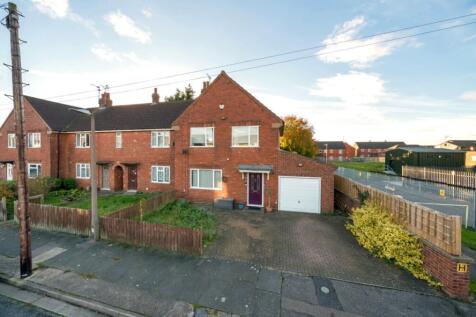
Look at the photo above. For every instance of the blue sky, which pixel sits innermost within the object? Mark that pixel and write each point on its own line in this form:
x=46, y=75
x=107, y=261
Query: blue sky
x=419, y=89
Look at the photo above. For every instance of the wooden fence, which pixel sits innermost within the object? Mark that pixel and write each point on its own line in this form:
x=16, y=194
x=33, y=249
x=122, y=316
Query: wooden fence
x=451, y=177
x=125, y=225
x=3, y=209
x=441, y=230
x=70, y=220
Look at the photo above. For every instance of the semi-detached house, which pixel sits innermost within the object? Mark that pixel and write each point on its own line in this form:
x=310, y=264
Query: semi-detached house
x=223, y=144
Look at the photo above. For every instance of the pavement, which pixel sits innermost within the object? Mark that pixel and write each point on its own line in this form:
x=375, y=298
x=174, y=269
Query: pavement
x=145, y=282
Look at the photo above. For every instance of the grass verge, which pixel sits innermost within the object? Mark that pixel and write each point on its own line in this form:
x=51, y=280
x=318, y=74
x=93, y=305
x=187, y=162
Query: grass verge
x=468, y=237
x=180, y=213
x=376, y=167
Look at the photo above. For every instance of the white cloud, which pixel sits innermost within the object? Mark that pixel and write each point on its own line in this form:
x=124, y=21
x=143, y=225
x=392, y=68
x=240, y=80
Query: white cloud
x=147, y=13
x=353, y=88
x=125, y=26
x=60, y=9
x=53, y=8
x=105, y=53
x=356, y=57
x=469, y=96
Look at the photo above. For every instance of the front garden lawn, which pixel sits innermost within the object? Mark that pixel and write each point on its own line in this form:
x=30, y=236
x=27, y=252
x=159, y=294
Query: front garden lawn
x=180, y=213
x=107, y=203
x=468, y=237
x=377, y=167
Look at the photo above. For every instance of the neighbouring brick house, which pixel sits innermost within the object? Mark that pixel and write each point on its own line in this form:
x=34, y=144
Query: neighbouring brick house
x=223, y=144
x=334, y=150
x=374, y=150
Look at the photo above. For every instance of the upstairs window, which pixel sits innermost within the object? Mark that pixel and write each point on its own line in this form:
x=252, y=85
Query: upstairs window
x=34, y=170
x=83, y=170
x=34, y=140
x=118, y=140
x=202, y=137
x=160, y=174
x=12, y=141
x=245, y=136
x=160, y=138
x=82, y=140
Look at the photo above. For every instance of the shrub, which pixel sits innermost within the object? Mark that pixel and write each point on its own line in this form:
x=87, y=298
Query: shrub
x=8, y=189
x=69, y=183
x=57, y=184
x=39, y=185
x=376, y=231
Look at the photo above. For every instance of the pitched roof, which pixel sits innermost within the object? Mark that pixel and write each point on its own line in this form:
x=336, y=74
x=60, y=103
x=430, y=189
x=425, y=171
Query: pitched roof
x=60, y=117
x=56, y=115
x=463, y=143
x=132, y=117
x=331, y=145
x=378, y=144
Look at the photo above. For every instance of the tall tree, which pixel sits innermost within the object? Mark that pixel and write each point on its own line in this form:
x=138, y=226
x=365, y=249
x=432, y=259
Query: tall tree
x=297, y=136
x=187, y=94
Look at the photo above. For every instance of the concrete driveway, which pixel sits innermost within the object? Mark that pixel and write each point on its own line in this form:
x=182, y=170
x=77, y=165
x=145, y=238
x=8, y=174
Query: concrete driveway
x=309, y=244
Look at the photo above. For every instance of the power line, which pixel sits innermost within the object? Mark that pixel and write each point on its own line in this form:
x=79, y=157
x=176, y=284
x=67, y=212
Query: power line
x=275, y=55
x=290, y=60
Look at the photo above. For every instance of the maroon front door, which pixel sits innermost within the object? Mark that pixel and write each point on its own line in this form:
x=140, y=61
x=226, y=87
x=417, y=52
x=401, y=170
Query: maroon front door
x=132, y=177
x=255, y=189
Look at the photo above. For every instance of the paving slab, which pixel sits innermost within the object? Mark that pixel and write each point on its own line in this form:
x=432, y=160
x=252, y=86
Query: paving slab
x=266, y=304
x=270, y=281
x=299, y=288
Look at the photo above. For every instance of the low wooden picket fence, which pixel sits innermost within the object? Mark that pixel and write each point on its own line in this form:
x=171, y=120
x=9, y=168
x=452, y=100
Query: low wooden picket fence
x=451, y=177
x=125, y=225
x=441, y=230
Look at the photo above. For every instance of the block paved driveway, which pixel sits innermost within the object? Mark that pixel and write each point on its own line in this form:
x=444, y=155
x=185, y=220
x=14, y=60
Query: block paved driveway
x=309, y=244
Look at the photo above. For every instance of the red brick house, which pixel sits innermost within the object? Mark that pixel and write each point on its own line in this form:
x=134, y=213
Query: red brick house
x=223, y=144
x=334, y=150
x=375, y=150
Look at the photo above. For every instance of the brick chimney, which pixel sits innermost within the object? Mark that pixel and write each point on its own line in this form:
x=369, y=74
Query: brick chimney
x=155, y=97
x=105, y=100
x=205, y=85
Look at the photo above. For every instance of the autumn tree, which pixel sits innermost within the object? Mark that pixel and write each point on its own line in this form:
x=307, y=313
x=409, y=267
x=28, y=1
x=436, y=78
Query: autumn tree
x=187, y=94
x=297, y=136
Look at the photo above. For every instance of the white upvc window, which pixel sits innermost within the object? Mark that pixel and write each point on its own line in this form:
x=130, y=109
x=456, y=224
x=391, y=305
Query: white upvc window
x=12, y=141
x=34, y=140
x=160, y=174
x=245, y=136
x=83, y=170
x=206, y=179
x=82, y=140
x=34, y=170
x=160, y=139
x=202, y=137
x=118, y=140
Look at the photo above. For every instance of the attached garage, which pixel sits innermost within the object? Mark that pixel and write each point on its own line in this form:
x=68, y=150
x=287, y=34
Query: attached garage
x=300, y=194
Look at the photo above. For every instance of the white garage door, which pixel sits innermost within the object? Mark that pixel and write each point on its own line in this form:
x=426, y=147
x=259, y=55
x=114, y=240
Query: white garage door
x=302, y=194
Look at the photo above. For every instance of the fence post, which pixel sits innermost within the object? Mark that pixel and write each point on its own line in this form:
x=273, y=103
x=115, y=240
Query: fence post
x=15, y=210
x=3, y=209
x=141, y=208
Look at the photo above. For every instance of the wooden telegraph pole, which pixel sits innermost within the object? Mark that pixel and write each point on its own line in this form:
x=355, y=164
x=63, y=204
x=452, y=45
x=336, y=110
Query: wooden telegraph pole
x=13, y=25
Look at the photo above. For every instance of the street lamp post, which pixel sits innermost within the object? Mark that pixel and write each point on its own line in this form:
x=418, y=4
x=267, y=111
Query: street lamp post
x=94, y=188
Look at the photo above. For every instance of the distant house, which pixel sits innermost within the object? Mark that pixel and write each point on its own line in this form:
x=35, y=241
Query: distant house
x=335, y=150
x=374, y=149
x=463, y=145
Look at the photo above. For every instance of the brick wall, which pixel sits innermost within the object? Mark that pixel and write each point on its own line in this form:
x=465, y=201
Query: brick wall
x=443, y=267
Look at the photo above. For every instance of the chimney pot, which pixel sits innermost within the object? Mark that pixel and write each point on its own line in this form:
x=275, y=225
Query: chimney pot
x=155, y=97
x=205, y=85
x=105, y=100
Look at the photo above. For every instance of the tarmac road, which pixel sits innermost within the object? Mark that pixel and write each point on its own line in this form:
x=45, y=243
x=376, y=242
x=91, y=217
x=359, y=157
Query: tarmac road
x=455, y=201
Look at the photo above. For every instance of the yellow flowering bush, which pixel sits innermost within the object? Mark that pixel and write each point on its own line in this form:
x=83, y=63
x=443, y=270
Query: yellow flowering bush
x=376, y=231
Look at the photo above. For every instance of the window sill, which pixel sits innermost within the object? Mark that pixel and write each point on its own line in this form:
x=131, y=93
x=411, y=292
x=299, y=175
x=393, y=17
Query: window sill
x=200, y=188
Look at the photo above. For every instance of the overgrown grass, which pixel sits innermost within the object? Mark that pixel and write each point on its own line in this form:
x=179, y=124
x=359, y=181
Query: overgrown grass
x=180, y=213
x=468, y=237
x=377, y=167
x=472, y=287
x=81, y=199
